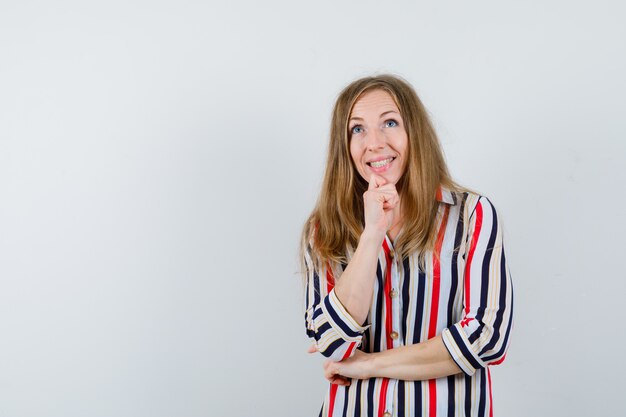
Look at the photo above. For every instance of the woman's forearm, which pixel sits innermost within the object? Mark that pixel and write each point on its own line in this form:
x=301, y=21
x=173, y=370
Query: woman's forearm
x=356, y=286
x=355, y=289
x=416, y=362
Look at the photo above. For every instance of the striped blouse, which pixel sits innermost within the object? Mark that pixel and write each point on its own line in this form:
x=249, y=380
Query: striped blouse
x=464, y=295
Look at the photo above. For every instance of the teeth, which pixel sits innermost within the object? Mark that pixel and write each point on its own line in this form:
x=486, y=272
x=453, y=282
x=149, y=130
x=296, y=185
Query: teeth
x=382, y=163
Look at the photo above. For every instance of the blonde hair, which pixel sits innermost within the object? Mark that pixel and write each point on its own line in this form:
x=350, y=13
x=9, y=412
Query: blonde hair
x=337, y=221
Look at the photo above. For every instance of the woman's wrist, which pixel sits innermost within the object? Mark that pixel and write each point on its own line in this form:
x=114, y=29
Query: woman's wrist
x=372, y=236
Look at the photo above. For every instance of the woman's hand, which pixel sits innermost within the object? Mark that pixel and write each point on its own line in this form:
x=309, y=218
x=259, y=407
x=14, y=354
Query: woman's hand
x=358, y=366
x=380, y=201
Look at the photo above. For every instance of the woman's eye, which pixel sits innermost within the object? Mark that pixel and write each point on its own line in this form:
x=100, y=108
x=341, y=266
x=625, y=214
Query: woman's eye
x=356, y=129
x=391, y=123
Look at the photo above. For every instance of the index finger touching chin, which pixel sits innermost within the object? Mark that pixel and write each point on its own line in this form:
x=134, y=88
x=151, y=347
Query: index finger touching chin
x=375, y=182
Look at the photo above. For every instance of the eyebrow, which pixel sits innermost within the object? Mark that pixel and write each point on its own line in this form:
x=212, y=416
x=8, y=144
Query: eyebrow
x=381, y=116
x=387, y=112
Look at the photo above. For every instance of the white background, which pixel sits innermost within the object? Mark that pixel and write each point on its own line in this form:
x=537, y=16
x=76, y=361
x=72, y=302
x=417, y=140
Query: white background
x=158, y=158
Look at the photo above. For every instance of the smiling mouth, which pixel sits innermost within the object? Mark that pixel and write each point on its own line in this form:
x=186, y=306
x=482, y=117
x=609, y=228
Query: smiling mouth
x=380, y=164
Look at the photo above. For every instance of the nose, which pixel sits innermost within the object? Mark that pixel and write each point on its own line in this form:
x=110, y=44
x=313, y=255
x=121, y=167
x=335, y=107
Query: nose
x=375, y=140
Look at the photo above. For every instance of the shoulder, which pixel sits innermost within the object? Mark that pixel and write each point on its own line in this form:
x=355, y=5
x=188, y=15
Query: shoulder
x=472, y=203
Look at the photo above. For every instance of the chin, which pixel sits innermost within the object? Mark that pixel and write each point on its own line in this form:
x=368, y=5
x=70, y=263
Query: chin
x=390, y=178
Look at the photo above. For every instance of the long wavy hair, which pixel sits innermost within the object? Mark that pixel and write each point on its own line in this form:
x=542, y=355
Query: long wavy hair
x=337, y=220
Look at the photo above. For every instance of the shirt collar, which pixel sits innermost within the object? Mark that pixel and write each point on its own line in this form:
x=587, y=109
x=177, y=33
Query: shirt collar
x=445, y=196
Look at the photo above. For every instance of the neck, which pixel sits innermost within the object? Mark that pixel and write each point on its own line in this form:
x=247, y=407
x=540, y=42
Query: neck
x=396, y=226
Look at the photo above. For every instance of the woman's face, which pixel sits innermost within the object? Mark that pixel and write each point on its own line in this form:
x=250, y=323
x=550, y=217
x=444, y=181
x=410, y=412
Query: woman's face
x=378, y=139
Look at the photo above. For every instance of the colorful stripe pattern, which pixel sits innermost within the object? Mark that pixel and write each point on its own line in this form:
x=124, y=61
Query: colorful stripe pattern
x=463, y=294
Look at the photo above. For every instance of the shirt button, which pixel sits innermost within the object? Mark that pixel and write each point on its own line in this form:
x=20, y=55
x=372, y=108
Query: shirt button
x=393, y=293
x=387, y=414
x=394, y=335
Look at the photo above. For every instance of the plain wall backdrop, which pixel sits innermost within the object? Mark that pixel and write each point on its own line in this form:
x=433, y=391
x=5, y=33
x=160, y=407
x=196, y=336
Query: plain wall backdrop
x=158, y=159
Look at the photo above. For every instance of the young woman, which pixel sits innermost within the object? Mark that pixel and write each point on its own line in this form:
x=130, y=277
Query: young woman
x=408, y=293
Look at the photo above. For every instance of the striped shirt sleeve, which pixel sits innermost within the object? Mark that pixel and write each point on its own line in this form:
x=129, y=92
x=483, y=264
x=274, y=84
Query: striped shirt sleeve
x=481, y=337
x=336, y=333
